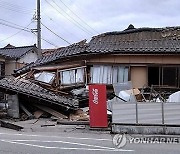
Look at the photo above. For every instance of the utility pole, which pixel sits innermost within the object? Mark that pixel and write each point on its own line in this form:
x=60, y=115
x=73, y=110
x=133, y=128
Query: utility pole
x=39, y=27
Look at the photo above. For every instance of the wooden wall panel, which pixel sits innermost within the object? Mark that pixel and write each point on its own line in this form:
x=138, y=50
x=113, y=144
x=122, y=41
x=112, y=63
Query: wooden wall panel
x=138, y=76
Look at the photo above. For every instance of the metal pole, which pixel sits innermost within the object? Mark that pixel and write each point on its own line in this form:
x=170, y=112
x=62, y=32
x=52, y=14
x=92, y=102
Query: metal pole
x=136, y=112
x=38, y=28
x=162, y=107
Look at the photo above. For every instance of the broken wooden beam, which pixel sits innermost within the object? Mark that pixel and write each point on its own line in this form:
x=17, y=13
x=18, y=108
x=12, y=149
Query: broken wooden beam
x=47, y=125
x=10, y=125
x=38, y=114
x=51, y=111
x=30, y=116
x=73, y=122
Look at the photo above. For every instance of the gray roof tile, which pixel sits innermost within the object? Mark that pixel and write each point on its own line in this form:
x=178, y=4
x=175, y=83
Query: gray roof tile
x=29, y=88
x=16, y=52
x=139, y=41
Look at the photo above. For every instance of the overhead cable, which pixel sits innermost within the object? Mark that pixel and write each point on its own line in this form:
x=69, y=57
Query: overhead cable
x=24, y=29
x=62, y=27
x=15, y=8
x=5, y=24
x=78, y=17
x=72, y=18
x=13, y=23
x=75, y=23
x=16, y=33
x=47, y=41
x=55, y=34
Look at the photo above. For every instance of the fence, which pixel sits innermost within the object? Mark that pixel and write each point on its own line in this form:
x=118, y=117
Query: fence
x=129, y=111
x=167, y=113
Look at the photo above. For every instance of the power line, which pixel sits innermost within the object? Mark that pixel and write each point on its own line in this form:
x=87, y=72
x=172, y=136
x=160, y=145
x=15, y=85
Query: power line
x=55, y=33
x=72, y=18
x=78, y=17
x=15, y=33
x=12, y=5
x=62, y=27
x=4, y=24
x=15, y=8
x=12, y=23
x=24, y=29
x=75, y=23
x=27, y=31
x=47, y=41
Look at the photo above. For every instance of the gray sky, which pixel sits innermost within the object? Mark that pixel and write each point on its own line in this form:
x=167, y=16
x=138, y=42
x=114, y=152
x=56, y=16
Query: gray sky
x=75, y=20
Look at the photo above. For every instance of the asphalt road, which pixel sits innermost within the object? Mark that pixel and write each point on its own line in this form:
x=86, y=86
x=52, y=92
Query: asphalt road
x=13, y=142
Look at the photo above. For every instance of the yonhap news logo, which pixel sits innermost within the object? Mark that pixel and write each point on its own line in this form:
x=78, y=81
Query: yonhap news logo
x=120, y=140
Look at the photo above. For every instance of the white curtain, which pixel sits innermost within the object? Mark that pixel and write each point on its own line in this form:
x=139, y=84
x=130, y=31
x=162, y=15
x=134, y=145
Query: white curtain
x=80, y=75
x=108, y=74
x=95, y=74
x=72, y=76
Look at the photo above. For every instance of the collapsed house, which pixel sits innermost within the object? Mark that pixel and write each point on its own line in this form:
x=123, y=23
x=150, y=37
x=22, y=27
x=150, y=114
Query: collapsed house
x=145, y=56
x=12, y=58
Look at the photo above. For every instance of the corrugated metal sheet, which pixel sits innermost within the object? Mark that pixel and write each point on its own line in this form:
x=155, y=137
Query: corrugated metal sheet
x=124, y=113
x=148, y=113
x=172, y=113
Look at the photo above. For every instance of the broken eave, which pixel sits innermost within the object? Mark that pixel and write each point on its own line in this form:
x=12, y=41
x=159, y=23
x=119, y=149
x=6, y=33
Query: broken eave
x=29, y=89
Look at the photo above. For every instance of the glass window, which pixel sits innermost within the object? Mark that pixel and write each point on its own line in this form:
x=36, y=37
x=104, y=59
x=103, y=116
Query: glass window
x=46, y=77
x=169, y=76
x=166, y=76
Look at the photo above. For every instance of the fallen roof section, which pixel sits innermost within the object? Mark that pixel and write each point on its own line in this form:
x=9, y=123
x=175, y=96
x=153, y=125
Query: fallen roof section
x=28, y=88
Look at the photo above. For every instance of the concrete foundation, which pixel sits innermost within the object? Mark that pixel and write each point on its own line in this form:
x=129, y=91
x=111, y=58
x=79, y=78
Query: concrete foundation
x=146, y=129
x=13, y=104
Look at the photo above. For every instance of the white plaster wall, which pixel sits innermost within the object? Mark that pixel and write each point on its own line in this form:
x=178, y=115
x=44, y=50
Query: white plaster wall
x=9, y=67
x=28, y=58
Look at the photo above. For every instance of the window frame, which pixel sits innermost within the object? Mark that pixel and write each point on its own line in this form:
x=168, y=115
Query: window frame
x=114, y=69
x=71, y=69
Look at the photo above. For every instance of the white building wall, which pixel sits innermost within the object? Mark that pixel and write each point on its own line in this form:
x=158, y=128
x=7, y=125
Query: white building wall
x=28, y=58
x=9, y=67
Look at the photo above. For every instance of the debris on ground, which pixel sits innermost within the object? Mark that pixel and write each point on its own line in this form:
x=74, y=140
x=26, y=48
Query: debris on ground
x=174, y=97
x=51, y=111
x=37, y=95
x=79, y=115
x=10, y=125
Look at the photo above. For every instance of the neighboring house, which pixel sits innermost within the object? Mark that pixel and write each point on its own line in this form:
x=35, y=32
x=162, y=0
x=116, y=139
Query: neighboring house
x=146, y=56
x=17, y=57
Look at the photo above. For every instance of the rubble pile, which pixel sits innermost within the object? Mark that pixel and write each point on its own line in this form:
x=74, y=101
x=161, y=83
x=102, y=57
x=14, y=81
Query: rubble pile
x=38, y=94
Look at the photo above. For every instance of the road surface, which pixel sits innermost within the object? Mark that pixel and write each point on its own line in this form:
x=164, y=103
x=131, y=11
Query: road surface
x=72, y=142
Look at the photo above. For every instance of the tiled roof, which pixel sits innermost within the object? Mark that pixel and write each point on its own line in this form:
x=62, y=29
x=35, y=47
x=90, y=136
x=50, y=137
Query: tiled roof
x=74, y=49
x=130, y=41
x=16, y=52
x=137, y=40
x=143, y=29
x=29, y=88
x=165, y=46
x=48, y=52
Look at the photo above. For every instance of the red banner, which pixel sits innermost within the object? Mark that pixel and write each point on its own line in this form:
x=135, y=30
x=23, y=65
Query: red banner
x=98, y=106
